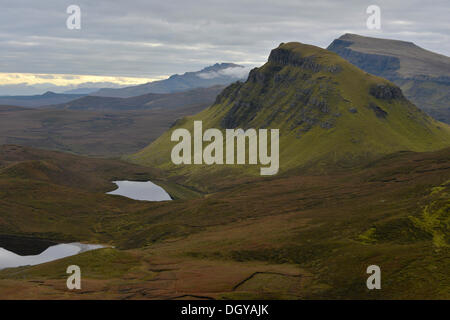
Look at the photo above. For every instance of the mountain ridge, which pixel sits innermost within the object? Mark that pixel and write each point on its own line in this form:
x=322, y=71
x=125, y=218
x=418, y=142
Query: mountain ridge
x=329, y=112
x=423, y=76
x=184, y=99
x=216, y=74
x=35, y=101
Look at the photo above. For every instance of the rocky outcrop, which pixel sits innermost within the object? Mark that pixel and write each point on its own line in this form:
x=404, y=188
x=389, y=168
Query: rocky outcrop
x=286, y=57
x=380, y=113
x=386, y=92
x=229, y=92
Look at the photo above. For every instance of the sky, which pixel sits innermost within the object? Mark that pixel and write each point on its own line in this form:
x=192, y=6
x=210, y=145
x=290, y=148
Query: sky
x=128, y=42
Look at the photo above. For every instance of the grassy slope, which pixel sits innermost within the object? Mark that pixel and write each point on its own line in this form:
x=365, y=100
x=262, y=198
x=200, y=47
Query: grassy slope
x=306, y=236
x=50, y=194
x=353, y=136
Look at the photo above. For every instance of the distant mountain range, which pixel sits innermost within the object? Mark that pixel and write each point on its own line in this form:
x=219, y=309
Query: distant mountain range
x=329, y=112
x=110, y=126
x=217, y=74
x=423, y=76
x=83, y=91
x=97, y=133
x=38, y=100
x=168, y=101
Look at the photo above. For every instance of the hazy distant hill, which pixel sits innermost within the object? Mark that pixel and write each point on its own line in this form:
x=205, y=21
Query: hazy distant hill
x=100, y=126
x=423, y=76
x=82, y=91
x=218, y=74
x=39, y=100
x=329, y=112
x=191, y=98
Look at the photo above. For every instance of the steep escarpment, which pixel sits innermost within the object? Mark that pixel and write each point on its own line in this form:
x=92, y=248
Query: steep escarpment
x=328, y=112
x=423, y=76
x=378, y=64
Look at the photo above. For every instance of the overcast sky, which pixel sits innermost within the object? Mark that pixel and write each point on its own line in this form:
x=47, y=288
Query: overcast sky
x=134, y=41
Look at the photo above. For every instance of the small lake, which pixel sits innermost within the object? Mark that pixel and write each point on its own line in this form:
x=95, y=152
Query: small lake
x=144, y=191
x=9, y=259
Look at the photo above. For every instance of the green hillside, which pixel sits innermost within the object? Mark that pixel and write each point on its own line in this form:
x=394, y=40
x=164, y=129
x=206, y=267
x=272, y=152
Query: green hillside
x=329, y=112
x=294, y=237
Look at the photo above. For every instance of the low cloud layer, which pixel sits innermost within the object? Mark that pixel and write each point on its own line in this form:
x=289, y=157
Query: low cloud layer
x=232, y=72
x=152, y=39
x=35, y=83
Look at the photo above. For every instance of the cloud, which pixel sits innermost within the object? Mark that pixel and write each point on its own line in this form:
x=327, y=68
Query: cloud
x=44, y=76
x=232, y=72
x=236, y=72
x=67, y=79
x=151, y=39
x=28, y=83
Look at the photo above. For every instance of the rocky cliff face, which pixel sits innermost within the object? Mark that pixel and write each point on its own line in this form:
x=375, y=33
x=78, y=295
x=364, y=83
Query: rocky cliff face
x=285, y=57
x=290, y=88
x=377, y=64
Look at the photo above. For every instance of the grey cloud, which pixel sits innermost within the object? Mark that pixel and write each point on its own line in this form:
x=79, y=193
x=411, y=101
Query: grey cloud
x=153, y=38
x=235, y=72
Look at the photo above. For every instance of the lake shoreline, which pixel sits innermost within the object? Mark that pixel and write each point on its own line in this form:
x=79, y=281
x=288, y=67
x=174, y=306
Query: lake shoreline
x=140, y=191
x=13, y=256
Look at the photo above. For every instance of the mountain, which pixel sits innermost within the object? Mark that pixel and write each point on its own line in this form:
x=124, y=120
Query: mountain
x=83, y=91
x=423, y=76
x=329, y=112
x=217, y=74
x=192, y=98
x=39, y=100
x=95, y=127
x=101, y=126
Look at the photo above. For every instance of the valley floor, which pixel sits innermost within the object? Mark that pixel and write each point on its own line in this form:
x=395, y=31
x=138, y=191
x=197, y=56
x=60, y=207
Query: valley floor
x=292, y=237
